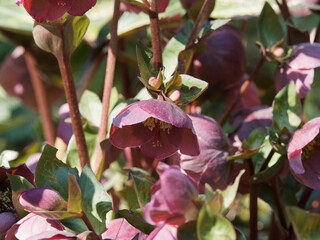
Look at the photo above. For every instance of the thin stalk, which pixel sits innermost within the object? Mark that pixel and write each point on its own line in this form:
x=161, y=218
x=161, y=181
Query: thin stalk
x=155, y=35
x=108, y=83
x=305, y=197
x=279, y=203
x=243, y=89
x=41, y=99
x=254, y=193
x=70, y=91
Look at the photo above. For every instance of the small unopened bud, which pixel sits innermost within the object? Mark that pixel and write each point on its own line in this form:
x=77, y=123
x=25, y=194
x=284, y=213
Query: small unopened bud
x=278, y=52
x=41, y=199
x=155, y=82
x=174, y=95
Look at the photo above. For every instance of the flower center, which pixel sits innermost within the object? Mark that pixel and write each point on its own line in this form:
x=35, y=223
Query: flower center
x=156, y=125
x=311, y=147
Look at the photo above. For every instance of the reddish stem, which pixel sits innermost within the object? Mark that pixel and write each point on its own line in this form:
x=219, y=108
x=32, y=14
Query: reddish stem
x=155, y=35
x=276, y=191
x=70, y=91
x=41, y=99
x=305, y=197
x=108, y=83
x=243, y=89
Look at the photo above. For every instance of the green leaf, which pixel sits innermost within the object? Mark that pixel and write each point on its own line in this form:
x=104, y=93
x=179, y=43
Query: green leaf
x=305, y=225
x=75, y=224
x=19, y=183
x=287, y=109
x=47, y=166
x=269, y=28
x=136, y=220
x=58, y=215
x=90, y=107
x=138, y=4
x=191, y=88
x=144, y=56
x=255, y=139
x=91, y=137
x=212, y=225
x=272, y=169
x=174, y=83
x=95, y=200
x=74, y=196
x=143, y=189
x=188, y=231
x=62, y=36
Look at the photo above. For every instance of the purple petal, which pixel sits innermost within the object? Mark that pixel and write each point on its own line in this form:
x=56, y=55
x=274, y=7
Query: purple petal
x=303, y=136
x=130, y=136
x=80, y=7
x=161, y=150
x=185, y=140
x=21, y=170
x=167, y=232
x=303, y=79
x=164, y=111
x=54, y=234
x=45, y=11
x=7, y=219
x=122, y=230
x=305, y=56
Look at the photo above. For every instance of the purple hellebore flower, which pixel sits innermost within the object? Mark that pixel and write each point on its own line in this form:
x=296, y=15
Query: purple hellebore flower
x=167, y=232
x=65, y=131
x=249, y=119
x=171, y=197
x=303, y=154
x=34, y=227
x=120, y=229
x=159, y=128
x=300, y=68
x=7, y=219
x=52, y=10
x=41, y=199
x=211, y=166
x=128, y=7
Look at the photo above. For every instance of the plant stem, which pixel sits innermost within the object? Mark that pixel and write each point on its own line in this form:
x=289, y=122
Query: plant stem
x=243, y=89
x=108, y=83
x=70, y=91
x=41, y=99
x=305, y=197
x=124, y=72
x=254, y=192
x=278, y=199
x=202, y=16
x=155, y=35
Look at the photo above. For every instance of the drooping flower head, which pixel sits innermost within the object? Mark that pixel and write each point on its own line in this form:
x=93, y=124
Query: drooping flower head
x=300, y=68
x=211, y=166
x=52, y=10
x=159, y=128
x=303, y=154
x=171, y=197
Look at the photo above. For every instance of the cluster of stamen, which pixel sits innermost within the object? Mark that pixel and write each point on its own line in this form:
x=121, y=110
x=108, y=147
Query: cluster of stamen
x=156, y=125
x=311, y=147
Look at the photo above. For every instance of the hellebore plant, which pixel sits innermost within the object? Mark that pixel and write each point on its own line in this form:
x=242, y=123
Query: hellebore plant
x=303, y=154
x=300, y=68
x=157, y=127
x=47, y=11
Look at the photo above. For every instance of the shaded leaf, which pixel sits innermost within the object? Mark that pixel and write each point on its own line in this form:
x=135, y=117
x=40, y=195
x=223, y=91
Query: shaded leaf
x=188, y=231
x=136, y=220
x=191, y=88
x=143, y=189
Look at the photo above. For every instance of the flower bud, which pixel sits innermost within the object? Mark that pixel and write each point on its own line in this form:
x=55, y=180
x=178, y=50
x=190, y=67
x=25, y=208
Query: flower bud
x=278, y=52
x=41, y=199
x=174, y=95
x=155, y=82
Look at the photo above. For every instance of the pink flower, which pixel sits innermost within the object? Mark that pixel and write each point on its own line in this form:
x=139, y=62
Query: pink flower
x=120, y=229
x=159, y=128
x=36, y=227
x=211, y=166
x=167, y=232
x=303, y=154
x=128, y=7
x=300, y=68
x=171, y=197
x=41, y=199
x=52, y=10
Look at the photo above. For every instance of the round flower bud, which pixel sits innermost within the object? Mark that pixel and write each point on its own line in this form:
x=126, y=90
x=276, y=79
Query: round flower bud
x=174, y=95
x=155, y=82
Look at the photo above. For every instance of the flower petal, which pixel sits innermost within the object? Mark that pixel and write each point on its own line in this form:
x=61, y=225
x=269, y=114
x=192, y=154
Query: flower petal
x=305, y=56
x=130, y=136
x=45, y=11
x=167, y=232
x=80, y=7
x=185, y=140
